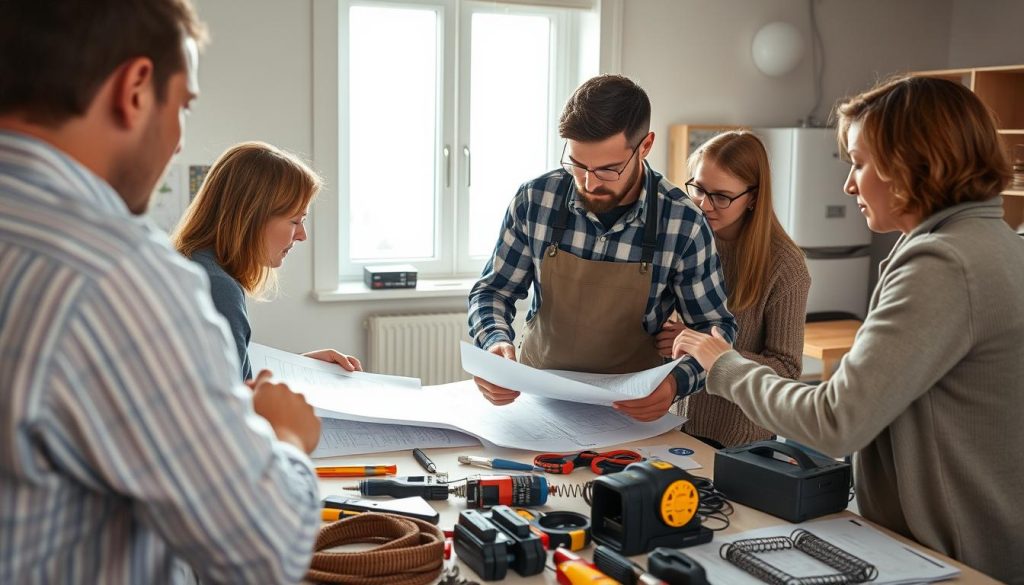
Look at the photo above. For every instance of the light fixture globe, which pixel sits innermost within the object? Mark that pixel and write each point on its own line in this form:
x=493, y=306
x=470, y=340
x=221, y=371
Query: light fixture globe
x=777, y=48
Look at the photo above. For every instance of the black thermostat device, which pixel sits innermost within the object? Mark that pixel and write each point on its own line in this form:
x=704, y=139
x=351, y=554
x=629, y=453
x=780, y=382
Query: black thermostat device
x=649, y=504
x=394, y=276
x=783, y=480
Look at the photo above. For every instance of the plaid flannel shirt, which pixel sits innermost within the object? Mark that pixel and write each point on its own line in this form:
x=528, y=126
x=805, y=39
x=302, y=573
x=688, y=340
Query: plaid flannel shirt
x=687, y=277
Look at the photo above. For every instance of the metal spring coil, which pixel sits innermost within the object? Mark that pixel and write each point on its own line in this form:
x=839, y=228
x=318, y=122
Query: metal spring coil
x=750, y=563
x=769, y=544
x=573, y=490
x=833, y=556
x=742, y=553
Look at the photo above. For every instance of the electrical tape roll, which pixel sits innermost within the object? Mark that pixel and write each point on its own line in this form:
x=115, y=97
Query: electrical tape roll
x=567, y=529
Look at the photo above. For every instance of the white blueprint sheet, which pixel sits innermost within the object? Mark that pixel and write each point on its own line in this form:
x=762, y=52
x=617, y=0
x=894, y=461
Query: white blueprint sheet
x=349, y=437
x=531, y=422
x=574, y=386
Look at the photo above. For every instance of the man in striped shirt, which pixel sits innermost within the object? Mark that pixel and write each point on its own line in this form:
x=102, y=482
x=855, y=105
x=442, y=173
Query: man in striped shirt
x=129, y=453
x=611, y=249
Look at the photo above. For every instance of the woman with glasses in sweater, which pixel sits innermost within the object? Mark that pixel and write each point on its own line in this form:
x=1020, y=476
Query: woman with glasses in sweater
x=765, y=275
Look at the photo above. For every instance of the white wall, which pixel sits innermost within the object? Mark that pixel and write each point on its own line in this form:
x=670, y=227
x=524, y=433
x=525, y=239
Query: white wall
x=989, y=32
x=692, y=56
x=256, y=83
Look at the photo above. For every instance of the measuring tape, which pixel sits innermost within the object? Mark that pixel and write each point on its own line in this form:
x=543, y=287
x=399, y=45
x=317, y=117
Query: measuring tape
x=566, y=529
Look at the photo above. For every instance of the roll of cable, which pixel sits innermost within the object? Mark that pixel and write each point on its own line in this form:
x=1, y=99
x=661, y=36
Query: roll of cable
x=409, y=551
x=566, y=529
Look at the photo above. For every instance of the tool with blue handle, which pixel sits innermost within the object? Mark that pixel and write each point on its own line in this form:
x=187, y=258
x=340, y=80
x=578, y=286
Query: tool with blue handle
x=493, y=463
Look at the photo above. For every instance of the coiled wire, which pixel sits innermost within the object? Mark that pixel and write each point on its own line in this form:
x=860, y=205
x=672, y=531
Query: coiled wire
x=743, y=554
x=573, y=490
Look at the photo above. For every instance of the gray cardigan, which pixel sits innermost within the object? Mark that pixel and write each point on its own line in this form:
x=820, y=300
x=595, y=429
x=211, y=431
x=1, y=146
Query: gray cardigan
x=229, y=299
x=931, y=396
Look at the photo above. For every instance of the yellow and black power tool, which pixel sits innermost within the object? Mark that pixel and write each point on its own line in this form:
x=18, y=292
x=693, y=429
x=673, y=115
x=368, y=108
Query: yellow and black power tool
x=647, y=505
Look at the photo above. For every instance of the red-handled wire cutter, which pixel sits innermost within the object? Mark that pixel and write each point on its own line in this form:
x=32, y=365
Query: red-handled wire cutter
x=600, y=463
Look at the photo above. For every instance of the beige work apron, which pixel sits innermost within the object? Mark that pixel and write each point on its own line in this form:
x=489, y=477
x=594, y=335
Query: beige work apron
x=591, y=313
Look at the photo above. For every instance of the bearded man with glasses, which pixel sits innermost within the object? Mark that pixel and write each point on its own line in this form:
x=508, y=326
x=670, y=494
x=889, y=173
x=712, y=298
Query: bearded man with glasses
x=611, y=250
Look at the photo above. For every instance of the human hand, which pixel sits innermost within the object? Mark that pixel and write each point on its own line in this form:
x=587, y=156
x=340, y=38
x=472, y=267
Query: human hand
x=350, y=363
x=706, y=349
x=498, y=395
x=650, y=407
x=664, y=338
x=287, y=412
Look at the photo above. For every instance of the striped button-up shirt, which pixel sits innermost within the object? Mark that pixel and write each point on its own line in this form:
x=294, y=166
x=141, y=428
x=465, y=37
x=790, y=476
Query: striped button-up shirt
x=687, y=272
x=129, y=450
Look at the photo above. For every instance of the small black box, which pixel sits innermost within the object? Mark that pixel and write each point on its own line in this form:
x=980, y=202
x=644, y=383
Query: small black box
x=493, y=542
x=400, y=276
x=753, y=476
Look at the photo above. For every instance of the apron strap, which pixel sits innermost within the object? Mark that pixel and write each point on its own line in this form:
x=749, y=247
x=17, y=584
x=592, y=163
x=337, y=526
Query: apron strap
x=651, y=222
x=562, y=211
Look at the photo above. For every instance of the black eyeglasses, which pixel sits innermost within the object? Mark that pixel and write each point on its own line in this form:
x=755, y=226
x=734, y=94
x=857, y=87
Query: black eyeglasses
x=605, y=175
x=718, y=200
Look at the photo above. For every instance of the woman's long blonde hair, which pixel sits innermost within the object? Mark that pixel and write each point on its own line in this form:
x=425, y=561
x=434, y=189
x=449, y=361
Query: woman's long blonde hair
x=741, y=154
x=246, y=187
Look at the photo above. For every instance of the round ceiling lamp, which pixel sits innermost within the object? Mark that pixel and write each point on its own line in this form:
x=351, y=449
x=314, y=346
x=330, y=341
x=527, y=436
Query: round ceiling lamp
x=777, y=48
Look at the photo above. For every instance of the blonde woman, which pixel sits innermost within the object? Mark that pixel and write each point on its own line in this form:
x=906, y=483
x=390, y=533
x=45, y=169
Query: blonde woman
x=765, y=274
x=241, y=225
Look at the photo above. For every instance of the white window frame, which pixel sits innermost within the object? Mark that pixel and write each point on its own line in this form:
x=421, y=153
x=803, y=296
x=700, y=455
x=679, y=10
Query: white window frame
x=330, y=270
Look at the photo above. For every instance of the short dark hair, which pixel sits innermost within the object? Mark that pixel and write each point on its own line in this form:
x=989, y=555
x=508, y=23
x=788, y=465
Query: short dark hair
x=57, y=53
x=933, y=138
x=605, y=106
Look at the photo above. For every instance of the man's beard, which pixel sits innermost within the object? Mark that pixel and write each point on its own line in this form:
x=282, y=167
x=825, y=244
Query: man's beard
x=613, y=199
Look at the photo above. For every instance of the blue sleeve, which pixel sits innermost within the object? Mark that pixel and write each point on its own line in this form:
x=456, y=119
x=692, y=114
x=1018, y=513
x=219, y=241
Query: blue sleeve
x=700, y=290
x=506, y=278
x=229, y=300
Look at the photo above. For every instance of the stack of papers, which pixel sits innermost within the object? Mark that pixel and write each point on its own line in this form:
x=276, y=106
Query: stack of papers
x=532, y=422
x=348, y=437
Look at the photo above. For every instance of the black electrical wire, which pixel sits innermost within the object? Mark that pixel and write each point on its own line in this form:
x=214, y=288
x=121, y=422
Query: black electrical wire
x=713, y=505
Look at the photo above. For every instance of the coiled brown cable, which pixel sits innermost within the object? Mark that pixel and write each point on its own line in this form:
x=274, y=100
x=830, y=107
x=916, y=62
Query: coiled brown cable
x=411, y=551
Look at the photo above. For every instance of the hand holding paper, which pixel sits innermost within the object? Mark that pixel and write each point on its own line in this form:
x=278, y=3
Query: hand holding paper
x=583, y=387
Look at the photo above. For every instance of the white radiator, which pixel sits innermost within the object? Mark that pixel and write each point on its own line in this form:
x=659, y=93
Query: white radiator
x=419, y=346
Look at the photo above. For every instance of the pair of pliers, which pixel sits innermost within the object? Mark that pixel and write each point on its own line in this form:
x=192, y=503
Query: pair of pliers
x=599, y=462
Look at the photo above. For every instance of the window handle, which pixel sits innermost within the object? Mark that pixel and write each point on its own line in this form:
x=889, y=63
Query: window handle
x=447, y=166
x=469, y=166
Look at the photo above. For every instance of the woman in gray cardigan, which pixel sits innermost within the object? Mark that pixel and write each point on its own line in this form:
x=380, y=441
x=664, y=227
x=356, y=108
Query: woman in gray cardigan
x=931, y=396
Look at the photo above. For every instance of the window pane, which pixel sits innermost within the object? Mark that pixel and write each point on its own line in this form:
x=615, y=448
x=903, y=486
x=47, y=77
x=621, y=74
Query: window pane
x=508, y=117
x=393, y=119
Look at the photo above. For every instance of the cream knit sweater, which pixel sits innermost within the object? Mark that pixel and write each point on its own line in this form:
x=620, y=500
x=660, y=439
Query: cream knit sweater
x=771, y=333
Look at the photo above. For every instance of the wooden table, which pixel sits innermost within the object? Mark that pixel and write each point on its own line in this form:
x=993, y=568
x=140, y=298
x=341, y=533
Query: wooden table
x=743, y=518
x=829, y=341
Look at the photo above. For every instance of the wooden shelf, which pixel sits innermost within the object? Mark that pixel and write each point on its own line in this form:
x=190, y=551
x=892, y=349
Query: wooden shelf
x=1000, y=88
x=684, y=139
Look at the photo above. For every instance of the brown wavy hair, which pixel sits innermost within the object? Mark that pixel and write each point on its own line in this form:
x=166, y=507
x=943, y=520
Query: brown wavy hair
x=246, y=187
x=604, y=106
x=741, y=154
x=932, y=138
